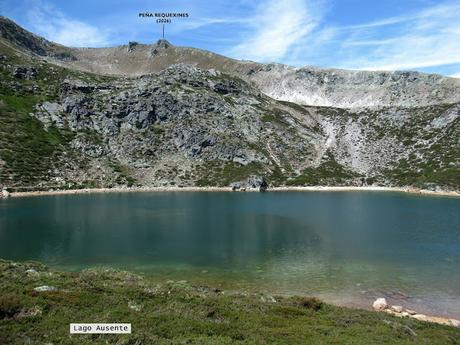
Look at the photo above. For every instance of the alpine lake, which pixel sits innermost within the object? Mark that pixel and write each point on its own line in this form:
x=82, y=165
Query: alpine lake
x=346, y=248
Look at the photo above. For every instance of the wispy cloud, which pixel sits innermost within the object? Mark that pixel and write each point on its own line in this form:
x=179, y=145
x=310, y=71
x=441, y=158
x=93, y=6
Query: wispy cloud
x=275, y=27
x=424, y=39
x=48, y=21
x=294, y=32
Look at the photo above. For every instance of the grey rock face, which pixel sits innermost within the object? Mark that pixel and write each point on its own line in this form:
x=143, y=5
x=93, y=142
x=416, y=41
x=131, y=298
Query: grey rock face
x=354, y=89
x=189, y=117
x=50, y=114
x=132, y=46
x=251, y=183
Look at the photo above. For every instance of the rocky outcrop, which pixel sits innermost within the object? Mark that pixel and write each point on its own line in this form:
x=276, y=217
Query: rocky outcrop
x=132, y=46
x=251, y=183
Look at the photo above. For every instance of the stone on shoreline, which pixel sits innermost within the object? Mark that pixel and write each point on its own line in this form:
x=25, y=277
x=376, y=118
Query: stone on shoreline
x=420, y=317
x=380, y=304
x=4, y=193
x=397, y=308
x=252, y=183
x=455, y=323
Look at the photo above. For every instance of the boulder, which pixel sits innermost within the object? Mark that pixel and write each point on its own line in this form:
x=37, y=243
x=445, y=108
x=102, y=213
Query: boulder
x=45, y=288
x=30, y=312
x=454, y=322
x=380, y=304
x=31, y=272
x=397, y=308
x=132, y=46
x=257, y=182
x=251, y=183
x=235, y=186
x=420, y=317
x=391, y=312
x=4, y=193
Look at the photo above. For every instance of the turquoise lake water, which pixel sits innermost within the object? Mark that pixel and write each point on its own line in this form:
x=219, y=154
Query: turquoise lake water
x=345, y=247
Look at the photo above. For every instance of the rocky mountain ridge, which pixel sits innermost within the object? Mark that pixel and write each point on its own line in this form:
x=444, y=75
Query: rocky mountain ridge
x=307, y=85
x=199, y=119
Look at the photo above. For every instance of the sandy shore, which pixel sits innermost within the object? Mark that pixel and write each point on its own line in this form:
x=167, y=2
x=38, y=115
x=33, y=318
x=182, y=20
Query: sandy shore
x=228, y=189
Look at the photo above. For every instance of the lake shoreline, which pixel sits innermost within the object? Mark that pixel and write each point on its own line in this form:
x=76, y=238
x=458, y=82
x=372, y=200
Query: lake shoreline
x=41, y=302
x=408, y=190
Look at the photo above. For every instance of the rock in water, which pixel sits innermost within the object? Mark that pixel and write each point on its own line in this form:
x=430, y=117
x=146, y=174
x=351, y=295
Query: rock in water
x=380, y=304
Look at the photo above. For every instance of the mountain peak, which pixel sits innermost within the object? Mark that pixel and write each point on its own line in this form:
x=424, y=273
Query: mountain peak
x=162, y=43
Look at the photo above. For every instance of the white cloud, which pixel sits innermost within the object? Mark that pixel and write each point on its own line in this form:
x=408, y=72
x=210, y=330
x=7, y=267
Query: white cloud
x=457, y=75
x=427, y=38
x=48, y=21
x=293, y=32
x=277, y=26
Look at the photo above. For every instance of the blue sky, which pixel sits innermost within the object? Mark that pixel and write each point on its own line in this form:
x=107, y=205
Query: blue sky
x=419, y=35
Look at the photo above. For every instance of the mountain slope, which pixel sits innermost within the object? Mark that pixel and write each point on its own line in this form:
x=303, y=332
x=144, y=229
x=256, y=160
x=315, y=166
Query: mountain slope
x=307, y=86
x=192, y=124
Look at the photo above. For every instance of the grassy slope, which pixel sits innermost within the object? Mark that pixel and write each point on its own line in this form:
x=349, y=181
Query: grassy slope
x=30, y=152
x=179, y=313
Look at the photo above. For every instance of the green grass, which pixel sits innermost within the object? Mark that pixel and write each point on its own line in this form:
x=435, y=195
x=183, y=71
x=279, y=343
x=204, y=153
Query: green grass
x=28, y=150
x=329, y=172
x=178, y=312
x=123, y=174
x=221, y=174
